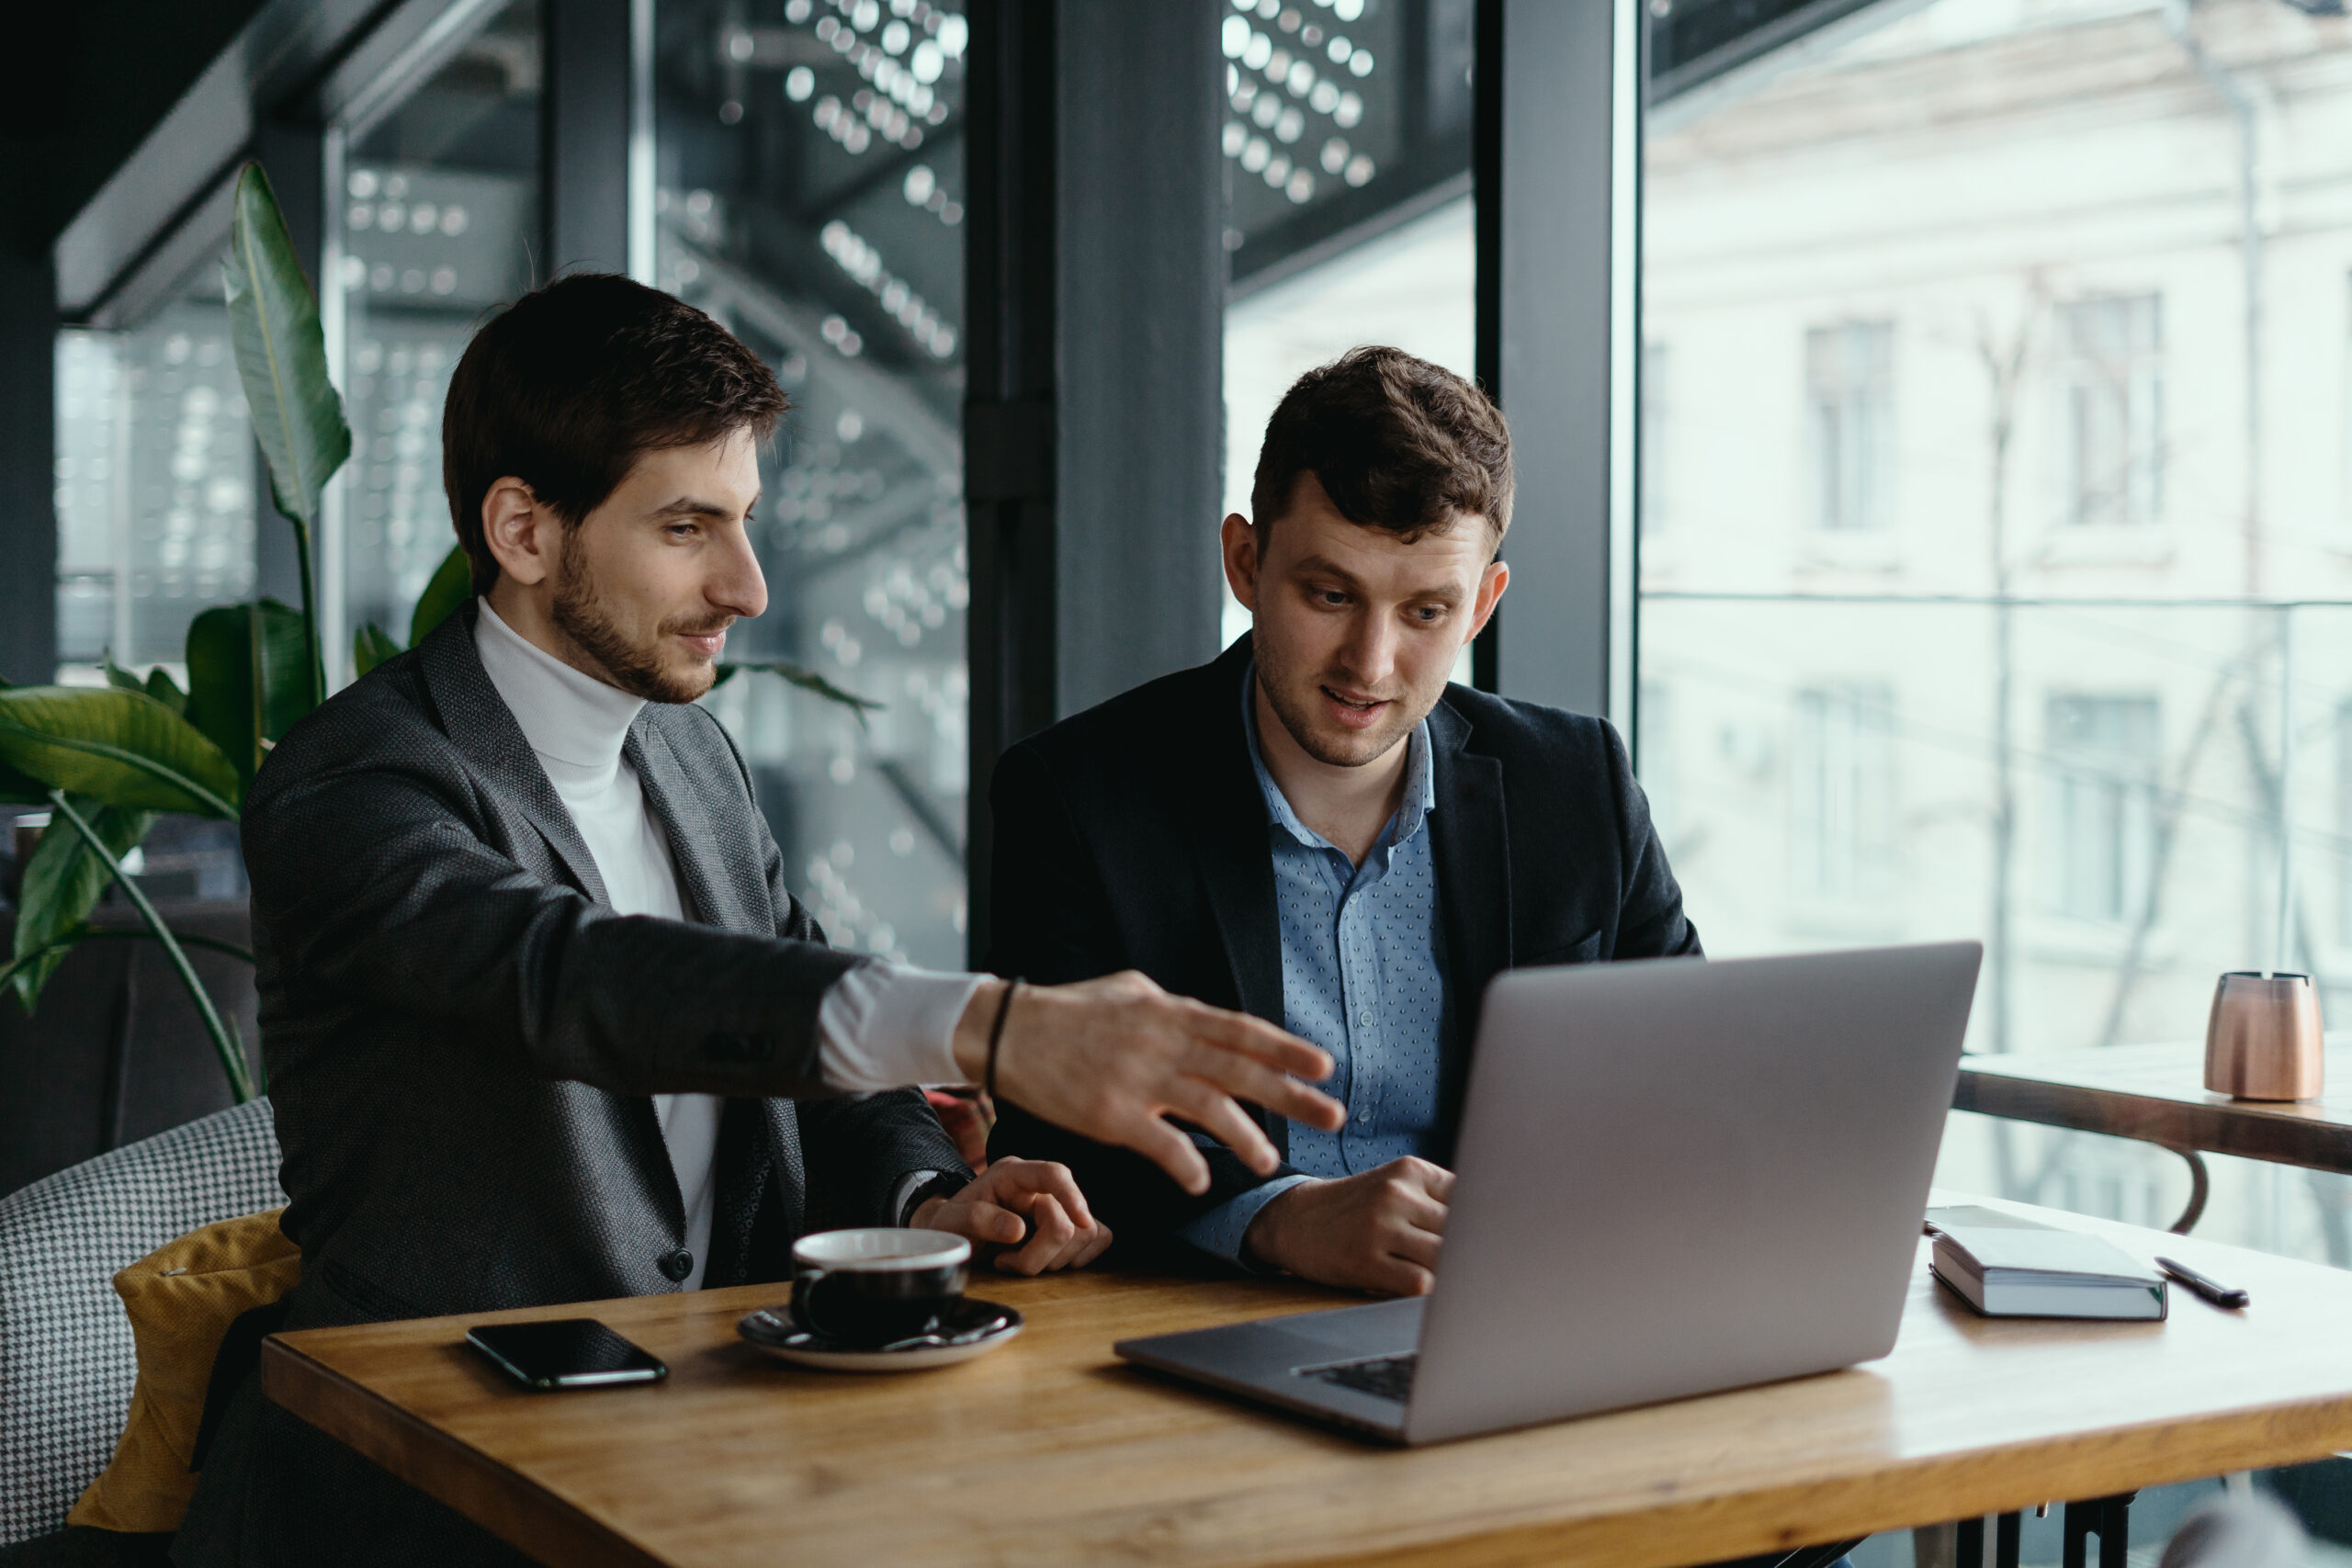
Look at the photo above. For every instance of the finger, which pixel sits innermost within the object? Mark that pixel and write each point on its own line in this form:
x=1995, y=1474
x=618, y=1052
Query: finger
x=1420, y=1212
x=1227, y=1123
x=1168, y=1149
x=1052, y=1179
x=1439, y=1183
x=984, y=1220
x=1240, y=1076
x=1409, y=1244
x=1050, y=1235
x=1409, y=1280
x=1092, y=1246
x=1246, y=1036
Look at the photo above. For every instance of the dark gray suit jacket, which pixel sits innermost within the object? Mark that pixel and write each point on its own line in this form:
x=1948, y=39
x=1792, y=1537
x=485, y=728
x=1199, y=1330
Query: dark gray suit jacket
x=462, y=1036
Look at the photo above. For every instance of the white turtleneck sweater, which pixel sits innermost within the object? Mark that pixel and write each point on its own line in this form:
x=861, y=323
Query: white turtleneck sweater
x=882, y=1025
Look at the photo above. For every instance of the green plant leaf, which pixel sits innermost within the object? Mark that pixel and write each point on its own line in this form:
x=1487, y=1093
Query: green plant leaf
x=281, y=353
x=452, y=585
x=160, y=687
x=371, y=645
x=221, y=648
x=123, y=749
x=117, y=676
x=62, y=882
x=807, y=680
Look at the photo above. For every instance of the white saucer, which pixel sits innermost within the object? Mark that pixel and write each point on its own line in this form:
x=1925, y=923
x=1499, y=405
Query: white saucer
x=974, y=1328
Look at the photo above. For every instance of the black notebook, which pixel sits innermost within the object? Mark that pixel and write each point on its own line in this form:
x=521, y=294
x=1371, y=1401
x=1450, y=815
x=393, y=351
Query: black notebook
x=2008, y=1267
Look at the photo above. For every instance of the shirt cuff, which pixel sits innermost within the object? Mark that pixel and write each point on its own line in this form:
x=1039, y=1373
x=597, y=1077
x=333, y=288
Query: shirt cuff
x=1220, y=1232
x=887, y=1025
x=906, y=1188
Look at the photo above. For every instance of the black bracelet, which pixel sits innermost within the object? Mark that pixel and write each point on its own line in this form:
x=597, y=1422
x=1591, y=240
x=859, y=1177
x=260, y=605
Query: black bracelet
x=996, y=1034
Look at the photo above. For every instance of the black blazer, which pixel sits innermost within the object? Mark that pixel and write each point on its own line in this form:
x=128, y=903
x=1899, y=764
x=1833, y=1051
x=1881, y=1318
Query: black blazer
x=461, y=1036
x=1133, y=836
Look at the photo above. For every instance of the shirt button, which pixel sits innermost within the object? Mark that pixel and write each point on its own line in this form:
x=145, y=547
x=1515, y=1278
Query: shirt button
x=1365, y=1019
x=676, y=1264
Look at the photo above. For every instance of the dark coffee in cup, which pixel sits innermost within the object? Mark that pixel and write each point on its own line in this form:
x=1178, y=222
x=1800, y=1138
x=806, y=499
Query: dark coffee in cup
x=865, y=1288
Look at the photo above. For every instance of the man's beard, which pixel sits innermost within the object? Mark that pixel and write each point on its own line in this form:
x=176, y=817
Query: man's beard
x=580, y=614
x=1284, y=695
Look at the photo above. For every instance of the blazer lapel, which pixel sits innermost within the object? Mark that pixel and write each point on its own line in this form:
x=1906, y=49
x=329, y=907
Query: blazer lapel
x=686, y=819
x=479, y=723
x=1470, y=842
x=1227, y=817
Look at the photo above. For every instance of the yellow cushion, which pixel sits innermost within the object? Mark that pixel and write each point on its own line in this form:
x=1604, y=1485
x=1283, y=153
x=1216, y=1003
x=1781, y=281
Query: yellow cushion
x=181, y=1298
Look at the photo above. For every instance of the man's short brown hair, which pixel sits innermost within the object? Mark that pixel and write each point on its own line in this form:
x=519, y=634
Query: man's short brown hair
x=1396, y=442
x=570, y=386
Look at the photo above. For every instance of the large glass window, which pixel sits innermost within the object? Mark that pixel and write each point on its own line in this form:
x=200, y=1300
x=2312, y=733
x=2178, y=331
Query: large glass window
x=1347, y=143
x=437, y=222
x=1990, y=272
x=155, y=480
x=811, y=194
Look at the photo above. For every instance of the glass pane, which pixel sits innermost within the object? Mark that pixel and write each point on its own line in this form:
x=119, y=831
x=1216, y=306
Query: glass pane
x=1349, y=222
x=810, y=195
x=438, y=222
x=1991, y=442
x=155, y=480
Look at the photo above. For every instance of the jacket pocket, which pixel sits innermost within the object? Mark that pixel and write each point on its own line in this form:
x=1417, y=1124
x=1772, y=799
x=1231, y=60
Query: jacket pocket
x=1586, y=949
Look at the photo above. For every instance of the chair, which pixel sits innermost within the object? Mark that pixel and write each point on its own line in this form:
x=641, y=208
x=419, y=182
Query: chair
x=66, y=1359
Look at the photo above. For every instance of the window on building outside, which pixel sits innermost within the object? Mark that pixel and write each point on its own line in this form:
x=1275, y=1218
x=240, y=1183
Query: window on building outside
x=2046, y=196
x=2114, y=409
x=1841, y=794
x=155, y=480
x=1850, y=423
x=2101, y=831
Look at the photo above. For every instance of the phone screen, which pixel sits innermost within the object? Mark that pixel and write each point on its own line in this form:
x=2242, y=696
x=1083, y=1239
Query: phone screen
x=569, y=1352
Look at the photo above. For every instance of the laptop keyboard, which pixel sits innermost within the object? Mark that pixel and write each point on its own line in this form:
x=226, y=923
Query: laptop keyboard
x=1383, y=1377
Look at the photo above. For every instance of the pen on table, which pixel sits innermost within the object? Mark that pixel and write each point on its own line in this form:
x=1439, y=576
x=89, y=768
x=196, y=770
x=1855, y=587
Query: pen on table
x=2213, y=1291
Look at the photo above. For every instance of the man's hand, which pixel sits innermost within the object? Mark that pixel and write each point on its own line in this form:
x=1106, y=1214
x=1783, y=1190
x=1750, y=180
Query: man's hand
x=1111, y=1057
x=1063, y=1233
x=1378, y=1231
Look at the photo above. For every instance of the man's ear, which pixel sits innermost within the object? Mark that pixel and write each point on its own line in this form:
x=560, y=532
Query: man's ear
x=1491, y=584
x=520, y=532
x=1238, y=542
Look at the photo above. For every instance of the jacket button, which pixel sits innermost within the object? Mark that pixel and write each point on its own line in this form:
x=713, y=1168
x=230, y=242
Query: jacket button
x=676, y=1264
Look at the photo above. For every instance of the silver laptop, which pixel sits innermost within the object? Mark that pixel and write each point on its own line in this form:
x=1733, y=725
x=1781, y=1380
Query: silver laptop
x=1674, y=1177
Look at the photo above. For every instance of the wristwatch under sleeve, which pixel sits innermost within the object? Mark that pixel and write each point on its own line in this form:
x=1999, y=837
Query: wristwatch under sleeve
x=941, y=1185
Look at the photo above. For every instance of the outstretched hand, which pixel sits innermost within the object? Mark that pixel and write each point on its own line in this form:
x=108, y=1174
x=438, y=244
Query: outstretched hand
x=1113, y=1059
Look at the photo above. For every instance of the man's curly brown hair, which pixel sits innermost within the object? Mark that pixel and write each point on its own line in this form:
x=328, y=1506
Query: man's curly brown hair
x=1396, y=442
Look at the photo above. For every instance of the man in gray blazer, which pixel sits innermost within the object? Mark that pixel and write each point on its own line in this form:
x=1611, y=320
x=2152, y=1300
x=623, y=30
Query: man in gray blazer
x=543, y=1022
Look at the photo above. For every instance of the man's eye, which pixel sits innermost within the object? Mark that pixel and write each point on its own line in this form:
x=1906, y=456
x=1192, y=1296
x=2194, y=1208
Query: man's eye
x=684, y=530
x=1429, y=614
x=1330, y=596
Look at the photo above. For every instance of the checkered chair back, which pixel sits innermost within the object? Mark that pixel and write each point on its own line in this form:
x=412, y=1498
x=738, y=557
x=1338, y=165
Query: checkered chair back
x=66, y=1362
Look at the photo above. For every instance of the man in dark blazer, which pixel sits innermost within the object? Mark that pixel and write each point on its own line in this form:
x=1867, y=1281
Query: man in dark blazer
x=542, y=1020
x=1318, y=829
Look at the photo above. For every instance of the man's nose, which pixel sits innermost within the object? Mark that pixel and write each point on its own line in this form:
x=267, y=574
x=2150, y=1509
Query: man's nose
x=739, y=588
x=1370, y=652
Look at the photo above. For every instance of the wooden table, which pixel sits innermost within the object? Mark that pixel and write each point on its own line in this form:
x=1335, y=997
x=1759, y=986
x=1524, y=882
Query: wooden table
x=2157, y=1094
x=1051, y=1452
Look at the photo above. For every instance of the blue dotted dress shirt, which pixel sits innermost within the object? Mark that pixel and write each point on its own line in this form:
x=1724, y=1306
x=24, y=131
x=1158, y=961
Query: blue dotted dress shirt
x=1361, y=977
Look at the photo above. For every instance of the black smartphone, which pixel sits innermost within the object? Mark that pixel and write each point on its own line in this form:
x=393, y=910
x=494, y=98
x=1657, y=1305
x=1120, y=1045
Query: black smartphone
x=565, y=1352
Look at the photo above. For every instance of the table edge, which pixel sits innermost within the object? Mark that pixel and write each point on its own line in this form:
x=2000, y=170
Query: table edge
x=1988, y=1090
x=1671, y=1529
x=524, y=1513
